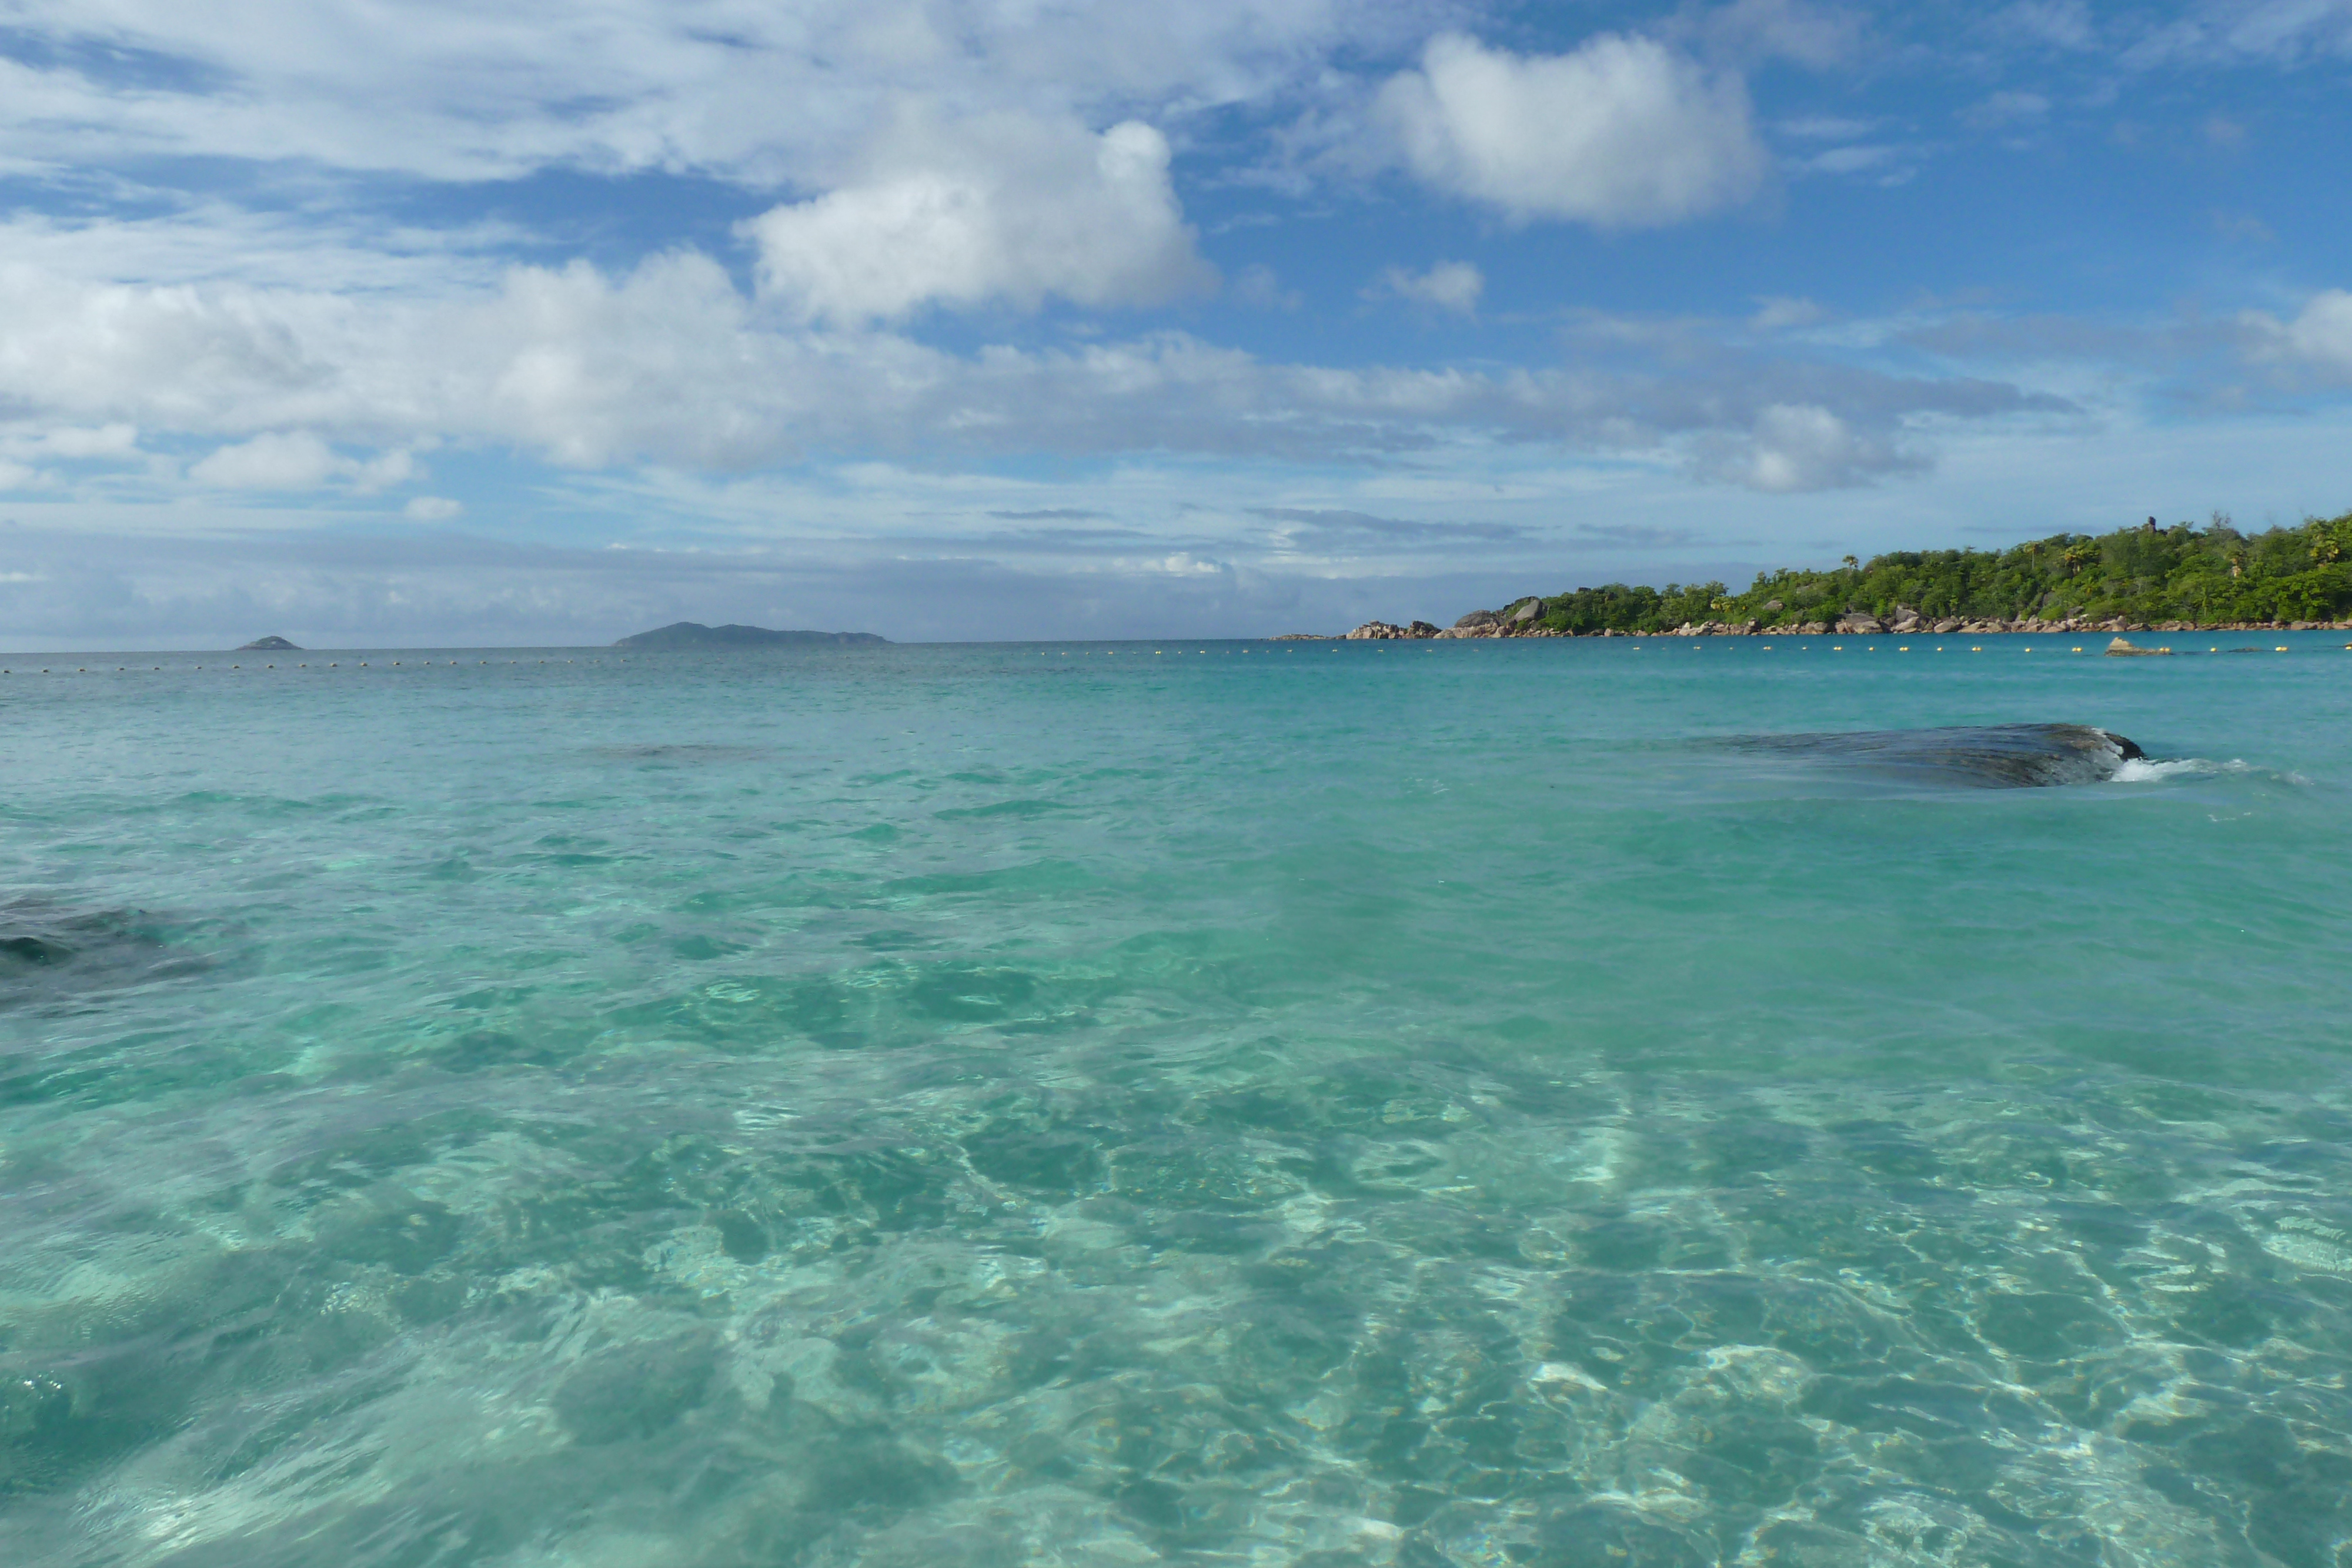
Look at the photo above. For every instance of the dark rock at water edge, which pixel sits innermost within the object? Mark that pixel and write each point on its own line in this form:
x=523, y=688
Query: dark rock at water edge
x=692, y=634
x=269, y=645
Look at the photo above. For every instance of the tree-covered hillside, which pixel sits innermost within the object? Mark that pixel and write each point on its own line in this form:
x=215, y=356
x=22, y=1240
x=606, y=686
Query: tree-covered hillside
x=2147, y=575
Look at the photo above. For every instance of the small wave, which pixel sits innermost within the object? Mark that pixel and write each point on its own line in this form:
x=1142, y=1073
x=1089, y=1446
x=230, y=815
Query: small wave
x=2147, y=770
x=2143, y=771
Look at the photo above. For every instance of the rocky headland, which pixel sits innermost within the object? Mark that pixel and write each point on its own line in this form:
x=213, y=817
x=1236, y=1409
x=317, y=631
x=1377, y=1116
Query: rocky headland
x=2182, y=578
x=1523, y=618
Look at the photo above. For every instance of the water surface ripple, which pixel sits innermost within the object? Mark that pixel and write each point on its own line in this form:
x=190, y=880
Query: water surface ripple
x=1208, y=1103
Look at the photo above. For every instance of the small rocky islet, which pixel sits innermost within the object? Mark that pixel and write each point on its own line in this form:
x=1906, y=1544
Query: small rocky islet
x=694, y=635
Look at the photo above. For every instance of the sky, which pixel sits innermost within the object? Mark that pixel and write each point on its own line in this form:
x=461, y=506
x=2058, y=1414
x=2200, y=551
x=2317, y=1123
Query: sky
x=418, y=323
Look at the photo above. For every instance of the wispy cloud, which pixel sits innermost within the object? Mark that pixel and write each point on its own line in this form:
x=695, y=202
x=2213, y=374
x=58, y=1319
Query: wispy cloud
x=1317, y=521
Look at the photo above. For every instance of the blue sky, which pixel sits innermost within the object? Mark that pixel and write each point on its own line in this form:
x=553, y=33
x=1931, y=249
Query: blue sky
x=407, y=323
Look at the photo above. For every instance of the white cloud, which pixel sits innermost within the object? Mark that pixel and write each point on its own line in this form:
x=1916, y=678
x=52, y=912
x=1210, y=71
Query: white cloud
x=276, y=460
x=1796, y=447
x=2321, y=335
x=296, y=460
x=83, y=442
x=16, y=475
x=1006, y=207
x=1623, y=132
x=671, y=364
x=433, y=508
x=762, y=94
x=1448, y=284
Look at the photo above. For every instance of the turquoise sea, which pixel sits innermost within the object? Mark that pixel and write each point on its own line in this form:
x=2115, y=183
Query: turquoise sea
x=1211, y=1104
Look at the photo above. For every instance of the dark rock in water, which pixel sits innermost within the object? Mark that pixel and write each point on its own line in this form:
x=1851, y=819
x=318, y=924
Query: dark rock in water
x=49, y=953
x=268, y=645
x=2125, y=648
x=1989, y=757
x=692, y=634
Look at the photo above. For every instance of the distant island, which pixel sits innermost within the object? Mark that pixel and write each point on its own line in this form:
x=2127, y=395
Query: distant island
x=692, y=634
x=269, y=645
x=2144, y=579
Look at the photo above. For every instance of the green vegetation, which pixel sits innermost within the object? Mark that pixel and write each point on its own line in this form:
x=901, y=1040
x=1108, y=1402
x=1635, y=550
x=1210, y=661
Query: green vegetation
x=2146, y=576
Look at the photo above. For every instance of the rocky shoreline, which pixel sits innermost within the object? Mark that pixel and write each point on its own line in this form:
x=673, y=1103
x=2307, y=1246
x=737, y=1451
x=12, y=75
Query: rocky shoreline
x=1523, y=618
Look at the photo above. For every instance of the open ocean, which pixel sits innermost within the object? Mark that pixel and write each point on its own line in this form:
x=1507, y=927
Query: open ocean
x=1188, y=1102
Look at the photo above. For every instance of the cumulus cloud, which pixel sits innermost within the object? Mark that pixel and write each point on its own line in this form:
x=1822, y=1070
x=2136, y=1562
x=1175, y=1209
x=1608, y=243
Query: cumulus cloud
x=296, y=460
x=1623, y=132
x=2319, y=337
x=670, y=363
x=1794, y=447
x=1007, y=208
x=433, y=508
x=1448, y=284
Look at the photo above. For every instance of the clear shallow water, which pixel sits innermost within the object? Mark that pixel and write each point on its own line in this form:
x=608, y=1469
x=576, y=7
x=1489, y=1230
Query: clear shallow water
x=1304, y=1105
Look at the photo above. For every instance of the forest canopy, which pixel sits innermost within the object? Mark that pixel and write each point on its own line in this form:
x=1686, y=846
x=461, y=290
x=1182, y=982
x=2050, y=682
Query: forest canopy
x=2145, y=575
